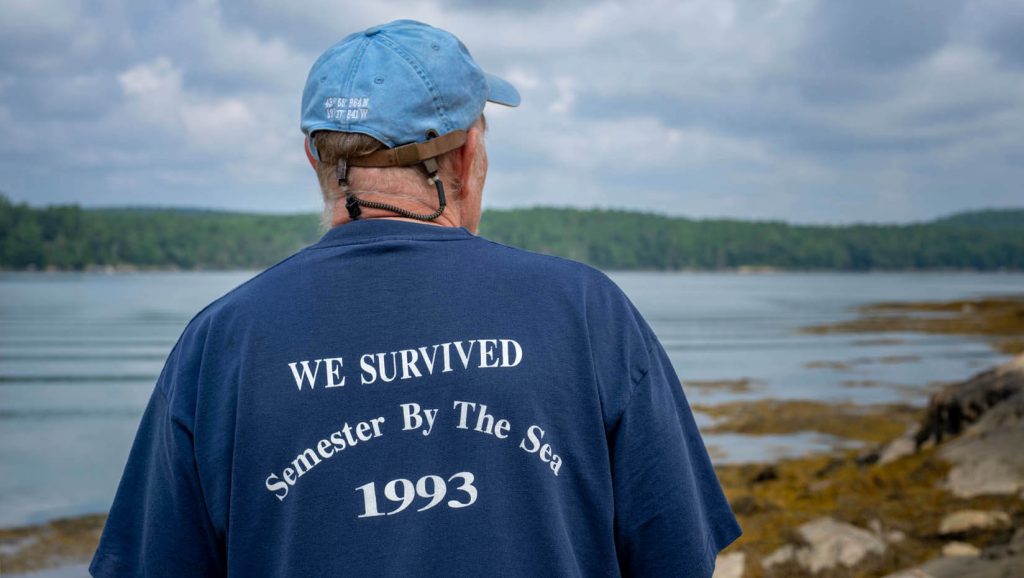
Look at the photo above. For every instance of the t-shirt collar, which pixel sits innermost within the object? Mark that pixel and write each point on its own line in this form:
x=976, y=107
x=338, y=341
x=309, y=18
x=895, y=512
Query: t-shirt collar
x=365, y=230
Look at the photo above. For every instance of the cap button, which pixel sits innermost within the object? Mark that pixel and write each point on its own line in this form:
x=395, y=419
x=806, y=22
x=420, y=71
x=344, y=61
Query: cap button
x=372, y=30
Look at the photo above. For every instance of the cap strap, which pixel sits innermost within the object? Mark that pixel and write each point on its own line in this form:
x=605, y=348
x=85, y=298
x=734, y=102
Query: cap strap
x=411, y=154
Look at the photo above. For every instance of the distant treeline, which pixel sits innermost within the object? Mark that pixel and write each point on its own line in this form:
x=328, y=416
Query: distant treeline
x=69, y=237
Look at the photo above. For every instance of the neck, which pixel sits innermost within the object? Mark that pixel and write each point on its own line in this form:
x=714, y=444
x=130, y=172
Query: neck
x=450, y=217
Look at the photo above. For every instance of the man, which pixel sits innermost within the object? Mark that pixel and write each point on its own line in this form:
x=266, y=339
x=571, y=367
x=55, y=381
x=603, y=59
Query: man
x=404, y=397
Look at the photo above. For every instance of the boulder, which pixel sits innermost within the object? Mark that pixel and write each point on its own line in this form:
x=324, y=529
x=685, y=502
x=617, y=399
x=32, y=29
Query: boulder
x=987, y=458
x=955, y=407
x=828, y=543
x=831, y=543
x=967, y=521
x=979, y=424
x=780, y=556
x=896, y=449
x=960, y=548
x=730, y=565
x=895, y=536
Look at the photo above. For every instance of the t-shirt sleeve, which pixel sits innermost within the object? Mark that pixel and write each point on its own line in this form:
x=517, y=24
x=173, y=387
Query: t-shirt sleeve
x=671, y=516
x=158, y=524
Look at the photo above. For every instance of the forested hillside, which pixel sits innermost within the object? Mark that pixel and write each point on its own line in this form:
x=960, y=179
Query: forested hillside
x=69, y=237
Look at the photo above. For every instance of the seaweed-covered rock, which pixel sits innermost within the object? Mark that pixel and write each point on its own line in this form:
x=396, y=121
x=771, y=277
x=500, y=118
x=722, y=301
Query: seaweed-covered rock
x=957, y=406
x=980, y=426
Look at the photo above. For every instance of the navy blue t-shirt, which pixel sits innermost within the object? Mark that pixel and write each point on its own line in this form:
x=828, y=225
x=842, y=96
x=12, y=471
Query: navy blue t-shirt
x=406, y=399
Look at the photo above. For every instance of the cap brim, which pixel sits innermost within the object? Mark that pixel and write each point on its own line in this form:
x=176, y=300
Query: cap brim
x=501, y=91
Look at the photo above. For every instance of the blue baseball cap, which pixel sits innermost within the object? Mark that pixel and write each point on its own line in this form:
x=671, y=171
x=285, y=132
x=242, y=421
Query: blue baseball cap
x=401, y=83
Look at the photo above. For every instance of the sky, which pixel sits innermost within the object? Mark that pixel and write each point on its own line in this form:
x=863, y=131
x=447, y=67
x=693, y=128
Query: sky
x=796, y=110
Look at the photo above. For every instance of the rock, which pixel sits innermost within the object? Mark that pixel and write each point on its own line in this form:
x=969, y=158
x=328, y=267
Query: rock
x=993, y=464
x=831, y=543
x=895, y=536
x=892, y=536
x=730, y=565
x=952, y=409
x=960, y=549
x=985, y=415
x=1016, y=544
x=972, y=567
x=876, y=526
x=988, y=458
x=1013, y=548
x=911, y=573
x=896, y=449
x=828, y=543
x=1007, y=415
x=780, y=556
x=1003, y=561
x=964, y=521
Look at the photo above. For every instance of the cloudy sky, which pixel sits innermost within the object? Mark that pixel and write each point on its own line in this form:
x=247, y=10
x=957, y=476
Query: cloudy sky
x=801, y=110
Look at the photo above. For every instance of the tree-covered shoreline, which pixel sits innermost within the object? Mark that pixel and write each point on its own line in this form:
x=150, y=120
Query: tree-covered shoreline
x=69, y=237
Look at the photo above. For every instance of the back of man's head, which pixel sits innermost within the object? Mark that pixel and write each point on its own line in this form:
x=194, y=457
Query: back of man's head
x=408, y=183
x=388, y=113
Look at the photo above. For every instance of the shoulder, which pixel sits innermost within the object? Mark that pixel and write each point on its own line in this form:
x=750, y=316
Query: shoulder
x=556, y=268
x=596, y=292
x=619, y=340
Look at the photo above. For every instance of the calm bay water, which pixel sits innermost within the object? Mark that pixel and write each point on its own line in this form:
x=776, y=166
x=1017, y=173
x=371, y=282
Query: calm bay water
x=79, y=354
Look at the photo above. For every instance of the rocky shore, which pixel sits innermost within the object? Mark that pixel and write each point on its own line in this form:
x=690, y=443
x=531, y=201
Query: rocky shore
x=944, y=499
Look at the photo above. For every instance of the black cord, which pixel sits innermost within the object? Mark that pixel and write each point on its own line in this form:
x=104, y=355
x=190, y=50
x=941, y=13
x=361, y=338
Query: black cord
x=352, y=203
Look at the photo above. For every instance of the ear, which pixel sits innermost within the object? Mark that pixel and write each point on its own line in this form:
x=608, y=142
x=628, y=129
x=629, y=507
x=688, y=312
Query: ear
x=468, y=152
x=309, y=154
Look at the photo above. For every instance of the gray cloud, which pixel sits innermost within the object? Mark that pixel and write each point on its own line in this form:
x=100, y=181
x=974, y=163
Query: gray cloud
x=996, y=25
x=789, y=109
x=878, y=34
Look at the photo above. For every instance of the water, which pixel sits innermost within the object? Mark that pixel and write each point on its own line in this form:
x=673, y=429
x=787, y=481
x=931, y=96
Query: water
x=79, y=354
